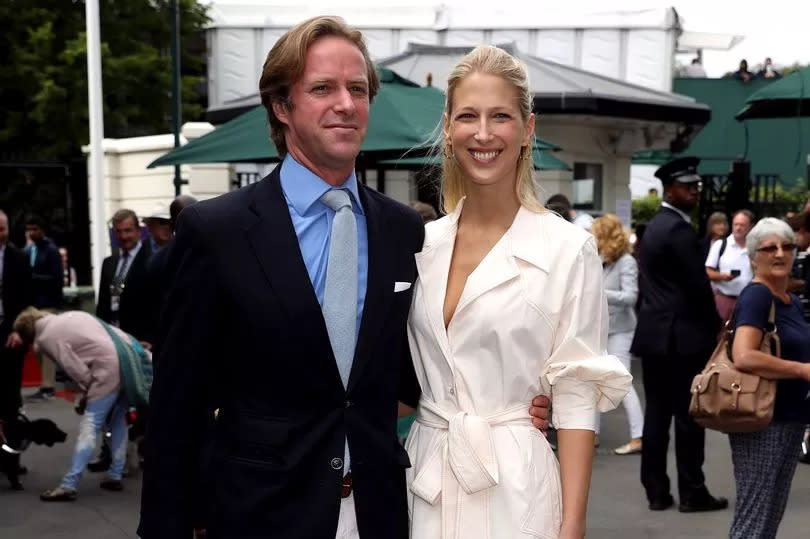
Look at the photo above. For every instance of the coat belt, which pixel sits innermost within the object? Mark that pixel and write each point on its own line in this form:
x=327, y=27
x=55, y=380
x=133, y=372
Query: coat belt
x=461, y=465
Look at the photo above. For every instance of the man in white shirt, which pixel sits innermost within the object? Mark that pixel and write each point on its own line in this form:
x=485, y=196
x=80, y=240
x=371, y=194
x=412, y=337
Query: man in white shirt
x=728, y=265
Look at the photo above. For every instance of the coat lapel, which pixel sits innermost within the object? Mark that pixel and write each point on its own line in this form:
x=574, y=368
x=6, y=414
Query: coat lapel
x=274, y=243
x=380, y=283
x=433, y=265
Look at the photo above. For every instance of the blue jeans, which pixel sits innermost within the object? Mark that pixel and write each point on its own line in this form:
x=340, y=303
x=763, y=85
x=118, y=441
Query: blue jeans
x=90, y=427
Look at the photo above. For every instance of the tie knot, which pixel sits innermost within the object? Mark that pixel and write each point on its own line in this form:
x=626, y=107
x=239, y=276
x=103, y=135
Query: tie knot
x=337, y=199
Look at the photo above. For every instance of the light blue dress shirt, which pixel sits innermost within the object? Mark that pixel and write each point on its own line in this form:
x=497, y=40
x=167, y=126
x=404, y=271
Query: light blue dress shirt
x=312, y=221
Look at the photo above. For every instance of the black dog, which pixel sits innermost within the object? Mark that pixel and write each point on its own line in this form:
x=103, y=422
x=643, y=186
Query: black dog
x=16, y=436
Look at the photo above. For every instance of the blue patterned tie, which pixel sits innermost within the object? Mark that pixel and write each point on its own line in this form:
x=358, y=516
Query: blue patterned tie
x=340, y=294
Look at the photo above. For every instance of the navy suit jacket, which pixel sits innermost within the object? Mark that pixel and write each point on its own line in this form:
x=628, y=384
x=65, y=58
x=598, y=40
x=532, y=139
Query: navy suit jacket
x=242, y=333
x=46, y=275
x=677, y=313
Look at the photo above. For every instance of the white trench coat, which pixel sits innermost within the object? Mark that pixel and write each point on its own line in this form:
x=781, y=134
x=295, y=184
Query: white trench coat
x=532, y=319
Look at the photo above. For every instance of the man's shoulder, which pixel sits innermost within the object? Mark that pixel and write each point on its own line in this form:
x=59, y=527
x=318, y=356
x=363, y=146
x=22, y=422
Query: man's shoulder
x=668, y=220
x=394, y=209
x=222, y=211
x=11, y=252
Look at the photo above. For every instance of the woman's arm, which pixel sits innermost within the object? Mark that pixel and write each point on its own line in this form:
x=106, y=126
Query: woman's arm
x=627, y=295
x=748, y=358
x=715, y=275
x=576, y=462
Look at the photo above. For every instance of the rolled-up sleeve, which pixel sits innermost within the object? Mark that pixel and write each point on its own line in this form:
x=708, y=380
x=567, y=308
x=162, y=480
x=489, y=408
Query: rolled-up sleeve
x=581, y=377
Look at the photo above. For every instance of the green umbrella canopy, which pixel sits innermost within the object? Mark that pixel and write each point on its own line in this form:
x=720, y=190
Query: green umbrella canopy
x=403, y=116
x=543, y=160
x=785, y=98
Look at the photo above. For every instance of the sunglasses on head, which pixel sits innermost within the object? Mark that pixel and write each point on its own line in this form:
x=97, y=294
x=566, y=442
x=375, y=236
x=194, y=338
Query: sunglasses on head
x=771, y=249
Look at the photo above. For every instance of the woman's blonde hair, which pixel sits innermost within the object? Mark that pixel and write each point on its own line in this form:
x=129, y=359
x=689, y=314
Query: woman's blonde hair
x=611, y=237
x=25, y=323
x=489, y=60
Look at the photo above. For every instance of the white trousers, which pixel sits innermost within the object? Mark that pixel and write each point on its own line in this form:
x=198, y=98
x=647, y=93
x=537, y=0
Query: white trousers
x=347, y=521
x=619, y=345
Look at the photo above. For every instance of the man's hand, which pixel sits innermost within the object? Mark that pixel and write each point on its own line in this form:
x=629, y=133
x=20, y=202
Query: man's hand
x=539, y=413
x=14, y=340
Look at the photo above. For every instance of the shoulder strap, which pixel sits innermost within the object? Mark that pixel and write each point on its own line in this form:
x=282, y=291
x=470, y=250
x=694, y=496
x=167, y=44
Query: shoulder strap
x=720, y=254
x=772, y=317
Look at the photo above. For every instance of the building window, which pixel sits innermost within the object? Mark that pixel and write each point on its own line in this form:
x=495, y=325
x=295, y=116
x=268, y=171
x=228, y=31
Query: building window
x=587, y=186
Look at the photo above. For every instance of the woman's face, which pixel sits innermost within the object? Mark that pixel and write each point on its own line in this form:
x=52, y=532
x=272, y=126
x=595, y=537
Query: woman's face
x=719, y=229
x=774, y=258
x=486, y=130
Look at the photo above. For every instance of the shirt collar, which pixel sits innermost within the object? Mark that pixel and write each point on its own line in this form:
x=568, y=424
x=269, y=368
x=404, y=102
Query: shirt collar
x=303, y=188
x=134, y=251
x=679, y=212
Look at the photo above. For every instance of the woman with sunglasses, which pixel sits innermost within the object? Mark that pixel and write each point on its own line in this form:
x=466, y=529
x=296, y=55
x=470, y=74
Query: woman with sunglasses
x=765, y=461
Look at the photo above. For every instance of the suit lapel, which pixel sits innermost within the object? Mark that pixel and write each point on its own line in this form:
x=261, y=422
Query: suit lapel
x=380, y=284
x=274, y=243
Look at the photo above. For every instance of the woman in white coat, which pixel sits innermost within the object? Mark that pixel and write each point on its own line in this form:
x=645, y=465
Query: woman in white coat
x=620, y=274
x=509, y=303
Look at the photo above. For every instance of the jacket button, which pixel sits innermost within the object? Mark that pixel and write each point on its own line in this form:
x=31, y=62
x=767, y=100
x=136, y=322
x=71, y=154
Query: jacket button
x=452, y=391
x=337, y=463
x=347, y=404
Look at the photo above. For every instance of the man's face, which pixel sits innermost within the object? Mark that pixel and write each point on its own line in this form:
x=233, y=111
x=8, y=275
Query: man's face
x=127, y=233
x=34, y=232
x=160, y=230
x=3, y=229
x=683, y=196
x=328, y=117
x=740, y=226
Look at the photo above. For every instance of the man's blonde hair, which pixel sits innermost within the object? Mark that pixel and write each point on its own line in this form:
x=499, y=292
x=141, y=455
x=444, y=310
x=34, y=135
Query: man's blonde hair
x=286, y=62
x=489, y=60
x=25, y=323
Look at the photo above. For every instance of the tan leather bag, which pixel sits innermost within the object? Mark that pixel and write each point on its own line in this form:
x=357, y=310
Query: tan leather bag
x=728, y=400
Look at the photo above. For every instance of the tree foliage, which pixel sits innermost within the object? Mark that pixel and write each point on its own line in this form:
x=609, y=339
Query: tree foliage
x=43, y=72
x=644, y=209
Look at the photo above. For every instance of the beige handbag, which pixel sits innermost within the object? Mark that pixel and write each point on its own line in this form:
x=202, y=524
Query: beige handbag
x=728, y=400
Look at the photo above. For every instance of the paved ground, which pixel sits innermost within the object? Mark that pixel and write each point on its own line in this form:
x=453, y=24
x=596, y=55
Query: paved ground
x=617, y=508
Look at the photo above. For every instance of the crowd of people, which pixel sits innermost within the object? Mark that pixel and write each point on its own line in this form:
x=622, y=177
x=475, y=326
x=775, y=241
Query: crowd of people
x=350, y=310
x=106, y=356
x=695, y=70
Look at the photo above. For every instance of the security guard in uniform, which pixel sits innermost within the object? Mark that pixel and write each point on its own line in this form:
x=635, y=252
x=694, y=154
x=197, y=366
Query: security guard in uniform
x=676, y=333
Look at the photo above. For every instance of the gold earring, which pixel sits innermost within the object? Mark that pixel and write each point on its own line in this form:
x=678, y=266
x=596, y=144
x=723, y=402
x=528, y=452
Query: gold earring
x=524, y=153
x=448, y=151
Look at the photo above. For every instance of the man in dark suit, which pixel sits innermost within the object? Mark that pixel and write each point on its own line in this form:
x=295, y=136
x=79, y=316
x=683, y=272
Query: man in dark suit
x=15, y=295
x=123, y=298
x=304, y=437
x=676, y=333
x=46, y=288
x=159, y=279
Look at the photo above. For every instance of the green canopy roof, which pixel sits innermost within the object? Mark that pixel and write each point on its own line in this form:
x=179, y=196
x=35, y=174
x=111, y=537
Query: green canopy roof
x=785, y=98
x=543, y=160
x=402, y=118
